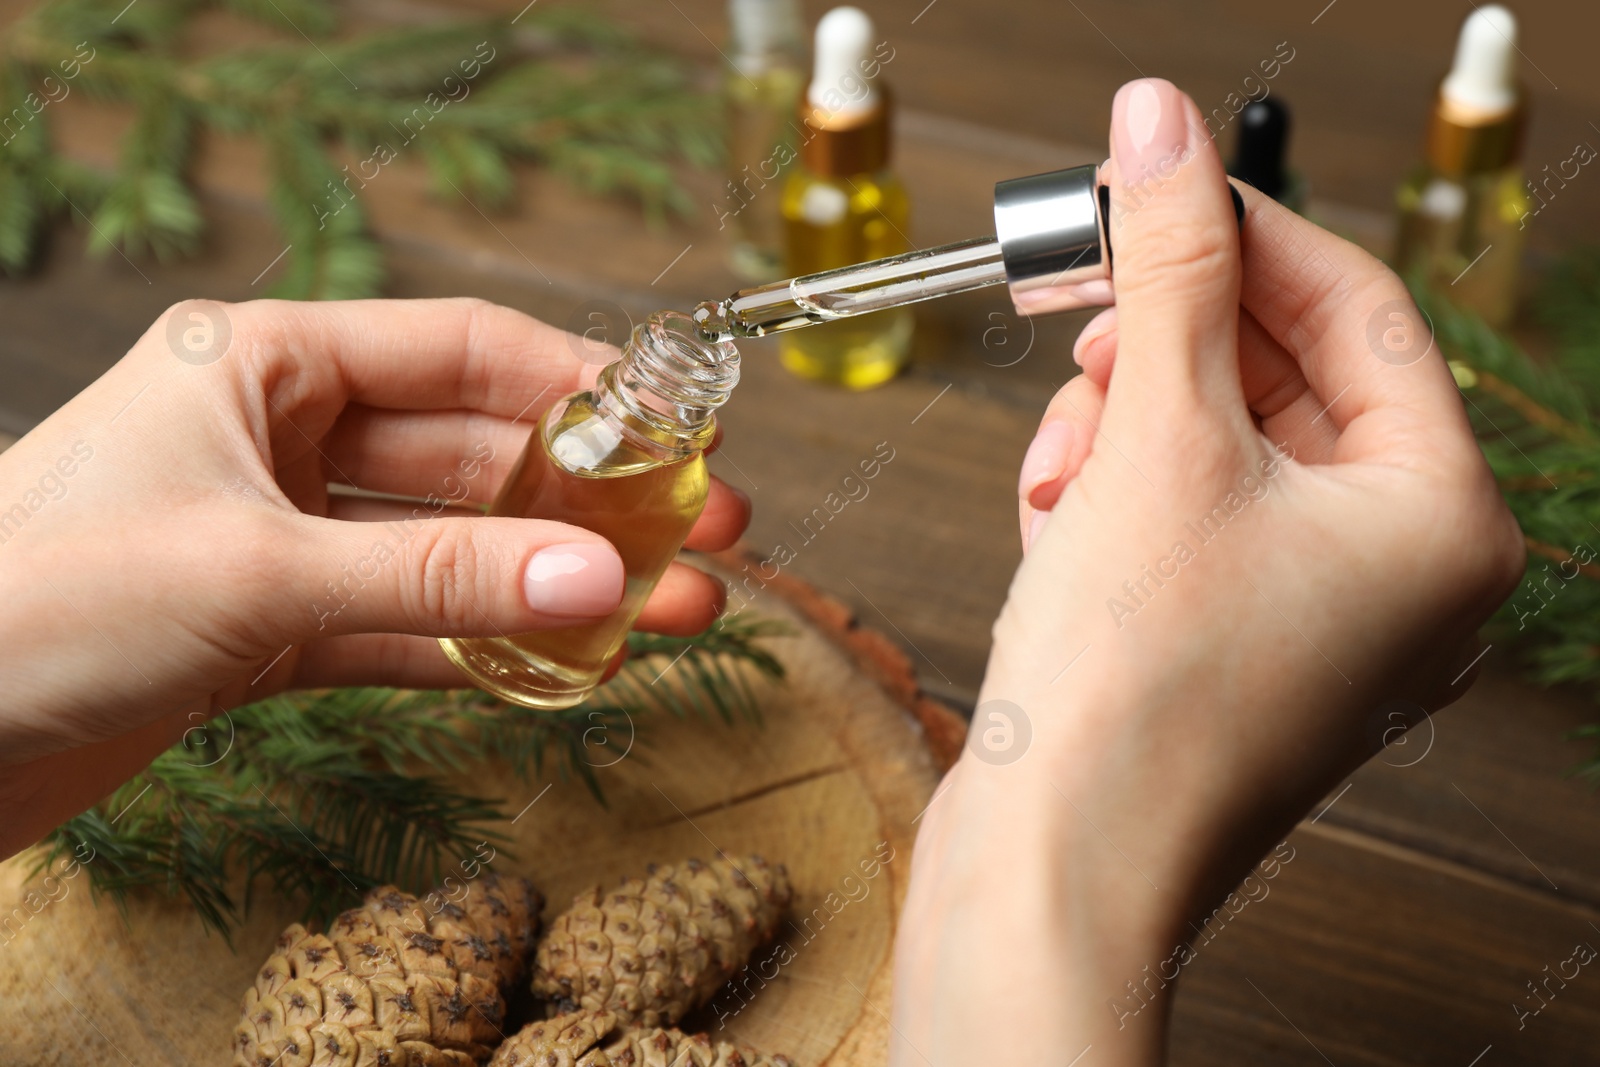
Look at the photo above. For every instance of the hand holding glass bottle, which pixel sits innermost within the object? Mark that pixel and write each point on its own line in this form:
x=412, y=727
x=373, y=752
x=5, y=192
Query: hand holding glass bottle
x=235, y=574
x=622, y=459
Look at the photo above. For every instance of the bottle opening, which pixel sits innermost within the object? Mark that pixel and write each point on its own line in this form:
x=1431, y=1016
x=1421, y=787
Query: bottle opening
x=687, y=343
x=671, y=379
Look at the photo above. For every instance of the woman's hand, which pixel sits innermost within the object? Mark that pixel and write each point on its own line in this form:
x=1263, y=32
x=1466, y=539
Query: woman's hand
x=1246, y=530
x=169, y=547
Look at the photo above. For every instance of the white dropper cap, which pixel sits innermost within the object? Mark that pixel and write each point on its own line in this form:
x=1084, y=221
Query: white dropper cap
x=843, y=47
x=760, y=26
x=1482, y=77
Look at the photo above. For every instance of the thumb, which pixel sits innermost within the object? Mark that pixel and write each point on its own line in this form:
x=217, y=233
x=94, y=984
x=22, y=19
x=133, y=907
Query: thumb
x=1176, y=253
x=451, y=577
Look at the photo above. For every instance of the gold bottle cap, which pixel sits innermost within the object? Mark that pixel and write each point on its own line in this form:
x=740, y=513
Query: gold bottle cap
x=1464, y=140
x=1476, y=124
x=846, y=142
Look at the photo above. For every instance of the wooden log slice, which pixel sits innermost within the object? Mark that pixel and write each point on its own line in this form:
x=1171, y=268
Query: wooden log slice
x=848, y=756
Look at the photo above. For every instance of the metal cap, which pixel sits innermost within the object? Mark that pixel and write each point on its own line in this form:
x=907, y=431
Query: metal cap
x=1463, y=141
x=1053, y=240
x=841, y=144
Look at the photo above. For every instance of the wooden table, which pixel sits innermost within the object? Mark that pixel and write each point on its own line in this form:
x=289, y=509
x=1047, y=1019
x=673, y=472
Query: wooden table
x=1424, y=897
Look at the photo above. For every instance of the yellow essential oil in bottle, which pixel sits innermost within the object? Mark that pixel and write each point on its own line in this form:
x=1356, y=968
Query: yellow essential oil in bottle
x=842, y=205
x=1462, y=213
x=623, y=460
x=766, y=71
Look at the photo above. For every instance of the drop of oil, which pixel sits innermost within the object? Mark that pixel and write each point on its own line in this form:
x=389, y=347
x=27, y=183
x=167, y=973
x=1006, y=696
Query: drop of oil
x=711, y=319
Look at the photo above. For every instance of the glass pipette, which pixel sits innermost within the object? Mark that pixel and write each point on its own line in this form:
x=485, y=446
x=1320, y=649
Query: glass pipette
x=1052, y=249
x=854, y=290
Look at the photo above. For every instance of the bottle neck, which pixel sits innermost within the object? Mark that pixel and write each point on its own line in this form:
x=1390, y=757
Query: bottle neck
x=765, y=34
x=1463, y=142
x=840, y=144
x=666, y=388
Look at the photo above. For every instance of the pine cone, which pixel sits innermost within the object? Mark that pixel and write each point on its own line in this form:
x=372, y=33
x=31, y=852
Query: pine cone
x=569, y=1040
x=674, y=1048
x=397, y=982
x=573, y=1040
x=655, y=948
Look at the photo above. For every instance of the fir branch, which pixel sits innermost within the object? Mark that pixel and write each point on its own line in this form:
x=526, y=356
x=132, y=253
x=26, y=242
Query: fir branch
x=562, y=88
x=115, y=23
x=701, y=686
x=311, y=17
x=147, y=206
x=321, y=796
x=404, y=64
x=1543, y=417
x=1534, y=425
x=1562, y=555
x=460, y=159
x=1569, y=307
x=34, y=187
x=338, y=259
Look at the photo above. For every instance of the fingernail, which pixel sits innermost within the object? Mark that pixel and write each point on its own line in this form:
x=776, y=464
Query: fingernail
x=1047, y=457
x=1148, y=133
x=1096, y=328
x=578, y=580
x=1035, y=524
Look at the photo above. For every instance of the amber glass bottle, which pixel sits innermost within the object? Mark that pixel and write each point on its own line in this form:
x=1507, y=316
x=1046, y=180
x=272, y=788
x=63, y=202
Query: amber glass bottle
x=623, y=460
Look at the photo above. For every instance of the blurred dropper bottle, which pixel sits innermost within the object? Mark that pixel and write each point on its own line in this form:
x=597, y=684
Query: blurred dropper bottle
x=1461, y=211
x=842, y=205
x=767, y=70
x=1261, y=157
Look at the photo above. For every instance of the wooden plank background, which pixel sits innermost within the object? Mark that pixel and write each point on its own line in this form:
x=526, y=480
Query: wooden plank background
x=1426, y=896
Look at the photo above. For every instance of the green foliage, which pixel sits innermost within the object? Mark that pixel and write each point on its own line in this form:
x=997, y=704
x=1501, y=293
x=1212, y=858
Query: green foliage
x=34, y=185
x=1535, y=423
x=147, y=207
x=562, y=87
x=1569, y=307
x=703, y=685
x=321, y=796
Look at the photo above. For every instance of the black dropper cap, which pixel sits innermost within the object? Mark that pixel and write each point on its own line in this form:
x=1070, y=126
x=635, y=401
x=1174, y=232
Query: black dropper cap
x=1263, y=146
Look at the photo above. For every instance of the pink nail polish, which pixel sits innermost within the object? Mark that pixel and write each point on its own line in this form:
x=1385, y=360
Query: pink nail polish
x=578, y=580
x=1097, y=328
x=1149, y=134
x=1047, y=456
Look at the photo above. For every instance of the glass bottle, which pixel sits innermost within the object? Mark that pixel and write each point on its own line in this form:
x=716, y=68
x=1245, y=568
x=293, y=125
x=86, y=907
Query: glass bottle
x=1462, y=212
x=1261, y=155
x=766, y=71
x=623, y=460
x=842, y=204
x=833, y=222
x=1466, y=234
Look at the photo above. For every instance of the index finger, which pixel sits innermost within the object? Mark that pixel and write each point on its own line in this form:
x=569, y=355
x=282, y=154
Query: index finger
x=418, y=354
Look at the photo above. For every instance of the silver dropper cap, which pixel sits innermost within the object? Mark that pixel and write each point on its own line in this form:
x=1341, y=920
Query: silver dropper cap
x=1054, y=233
x=1054, y=240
